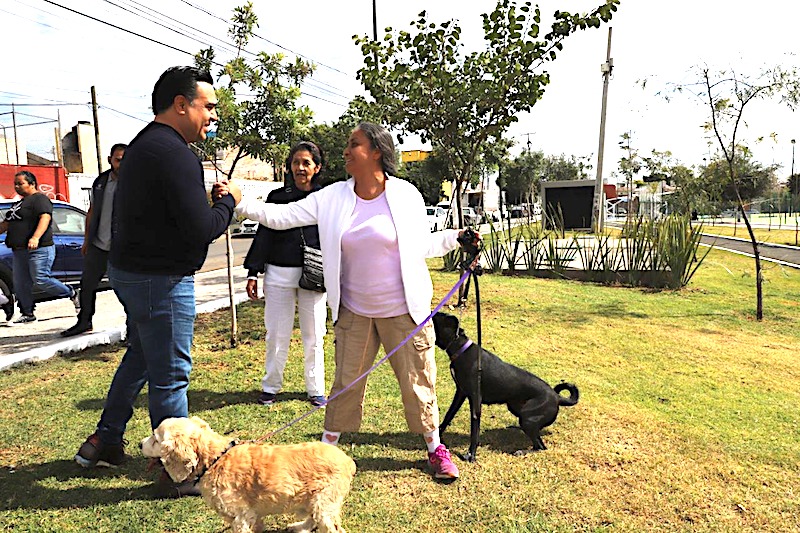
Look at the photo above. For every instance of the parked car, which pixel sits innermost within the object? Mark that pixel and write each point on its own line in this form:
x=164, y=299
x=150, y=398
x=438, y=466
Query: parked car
x=471, y=218
x=69, y=223
x=437, y=217
x=247, y=227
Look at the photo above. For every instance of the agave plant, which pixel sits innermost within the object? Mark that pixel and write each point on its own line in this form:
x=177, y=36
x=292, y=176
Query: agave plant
x=676, y=245
x=494, y=250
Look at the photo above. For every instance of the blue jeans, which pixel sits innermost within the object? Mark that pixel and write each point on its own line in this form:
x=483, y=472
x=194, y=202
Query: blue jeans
x=160, y=311
x=32, y=271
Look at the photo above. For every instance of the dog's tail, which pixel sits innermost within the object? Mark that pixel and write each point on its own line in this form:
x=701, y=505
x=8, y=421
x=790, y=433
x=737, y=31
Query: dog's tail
x=573, y=394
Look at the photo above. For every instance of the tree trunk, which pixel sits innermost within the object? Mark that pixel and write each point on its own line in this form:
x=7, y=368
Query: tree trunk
x=759, y=273
x=234, y=338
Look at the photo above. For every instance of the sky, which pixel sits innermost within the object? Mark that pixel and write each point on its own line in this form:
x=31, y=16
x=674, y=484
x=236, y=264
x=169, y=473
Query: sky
x=54, y=56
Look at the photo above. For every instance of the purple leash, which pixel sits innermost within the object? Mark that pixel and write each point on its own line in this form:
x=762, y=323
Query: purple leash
x=436, y=309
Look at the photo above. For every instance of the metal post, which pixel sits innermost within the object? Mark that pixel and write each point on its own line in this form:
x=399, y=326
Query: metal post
x=375, y=31
x=16, y=139
x=96, y=132
x=794, y=183
x=5, y=140
x=58, y=141
x=597, y=209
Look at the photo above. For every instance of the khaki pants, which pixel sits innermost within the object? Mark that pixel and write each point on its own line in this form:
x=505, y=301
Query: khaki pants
x=414, y=365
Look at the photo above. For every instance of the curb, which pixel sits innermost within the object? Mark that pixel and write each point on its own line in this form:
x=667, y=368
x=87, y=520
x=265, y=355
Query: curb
x=97, y=338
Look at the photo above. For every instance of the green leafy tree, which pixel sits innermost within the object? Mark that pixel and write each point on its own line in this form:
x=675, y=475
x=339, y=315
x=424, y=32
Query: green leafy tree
x=258, y=110
x=753, y=179
x=522, y=177
x=423, y=83
x=428, y=175
x=565, y=168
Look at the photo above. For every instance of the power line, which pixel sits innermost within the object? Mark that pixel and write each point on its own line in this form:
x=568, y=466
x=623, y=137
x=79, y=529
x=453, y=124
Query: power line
x=209, y=13
x=35, y=123
x=125, y=30
x=225, y=47
x=163, y=44
x=105, y=107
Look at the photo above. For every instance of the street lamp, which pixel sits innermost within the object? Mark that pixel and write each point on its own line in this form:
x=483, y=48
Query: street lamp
x=792, y=180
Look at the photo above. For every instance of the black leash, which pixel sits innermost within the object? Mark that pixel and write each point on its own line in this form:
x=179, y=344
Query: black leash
x=472, y=246
x=231, y=444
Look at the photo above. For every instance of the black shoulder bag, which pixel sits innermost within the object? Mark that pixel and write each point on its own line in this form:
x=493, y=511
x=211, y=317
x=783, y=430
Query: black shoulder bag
x=311, y=278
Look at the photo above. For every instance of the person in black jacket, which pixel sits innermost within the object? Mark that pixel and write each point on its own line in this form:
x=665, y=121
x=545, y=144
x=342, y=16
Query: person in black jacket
x=162, y=227
x=30, y=237
x=97, y=240
x=279, y=255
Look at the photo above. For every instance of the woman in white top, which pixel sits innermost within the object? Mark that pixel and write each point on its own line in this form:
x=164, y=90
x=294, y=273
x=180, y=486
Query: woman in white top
x=375, y=238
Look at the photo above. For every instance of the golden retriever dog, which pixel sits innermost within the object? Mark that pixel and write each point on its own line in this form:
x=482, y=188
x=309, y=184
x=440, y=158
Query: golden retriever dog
x=243, y=482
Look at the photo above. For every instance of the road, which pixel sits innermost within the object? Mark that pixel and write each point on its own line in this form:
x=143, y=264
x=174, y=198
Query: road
x=217, y=257
x=785, y=255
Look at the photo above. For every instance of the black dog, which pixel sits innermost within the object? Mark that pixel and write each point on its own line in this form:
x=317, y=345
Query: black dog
x=528, y=398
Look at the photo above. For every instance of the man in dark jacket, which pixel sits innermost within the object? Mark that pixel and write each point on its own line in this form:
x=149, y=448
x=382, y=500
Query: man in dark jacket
x=97, y=240
x=162, y=227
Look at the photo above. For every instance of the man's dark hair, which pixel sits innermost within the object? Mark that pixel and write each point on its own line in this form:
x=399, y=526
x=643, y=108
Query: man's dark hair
x=29, y=177
x=118, y=146
x=177, y=81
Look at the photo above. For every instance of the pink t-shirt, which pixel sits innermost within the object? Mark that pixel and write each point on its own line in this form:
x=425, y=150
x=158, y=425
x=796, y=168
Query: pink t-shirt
x=372, y=284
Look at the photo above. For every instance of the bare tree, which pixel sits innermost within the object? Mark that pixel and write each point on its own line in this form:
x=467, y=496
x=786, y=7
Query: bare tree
x=727, y=94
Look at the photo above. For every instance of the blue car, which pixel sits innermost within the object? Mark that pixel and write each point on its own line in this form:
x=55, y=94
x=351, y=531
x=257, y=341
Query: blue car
x=69, y=223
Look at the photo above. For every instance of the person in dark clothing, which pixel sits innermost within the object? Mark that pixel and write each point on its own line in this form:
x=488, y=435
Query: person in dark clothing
x=278, y=254
x=30, y=237
x=97, y=240
x=162, y=227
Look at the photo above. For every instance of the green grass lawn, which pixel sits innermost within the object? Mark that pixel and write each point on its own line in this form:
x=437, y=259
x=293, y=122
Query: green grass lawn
x=688, y=420
x=771, y=236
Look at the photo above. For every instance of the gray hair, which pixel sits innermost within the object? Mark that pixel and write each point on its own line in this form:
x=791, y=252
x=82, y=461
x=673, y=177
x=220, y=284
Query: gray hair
x=381, y=140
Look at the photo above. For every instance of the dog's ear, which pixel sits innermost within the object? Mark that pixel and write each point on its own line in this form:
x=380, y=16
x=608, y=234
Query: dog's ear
x=200, y=422
x=177, y=455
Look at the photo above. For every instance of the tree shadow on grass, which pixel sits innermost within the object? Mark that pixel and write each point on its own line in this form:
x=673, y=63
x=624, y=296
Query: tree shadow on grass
x=64, y=484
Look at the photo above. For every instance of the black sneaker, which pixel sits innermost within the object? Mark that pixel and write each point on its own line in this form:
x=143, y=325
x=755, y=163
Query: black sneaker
x=77, y=329
x=76, y=299
x=94, y=453
x=24, y=319
x=266, y=398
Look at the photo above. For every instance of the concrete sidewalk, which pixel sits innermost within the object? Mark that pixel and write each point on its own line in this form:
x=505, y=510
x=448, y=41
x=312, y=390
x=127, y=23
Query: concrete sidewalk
x=36, y=341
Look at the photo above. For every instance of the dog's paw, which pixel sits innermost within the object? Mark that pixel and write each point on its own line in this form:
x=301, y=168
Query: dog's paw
x=468, y=457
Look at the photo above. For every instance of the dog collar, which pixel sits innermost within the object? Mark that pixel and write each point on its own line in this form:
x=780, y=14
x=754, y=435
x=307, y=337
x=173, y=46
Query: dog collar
x=461, y=350
x=231, y=444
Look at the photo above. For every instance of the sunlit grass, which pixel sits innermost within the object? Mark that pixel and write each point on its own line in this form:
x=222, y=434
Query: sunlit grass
x=688, y=418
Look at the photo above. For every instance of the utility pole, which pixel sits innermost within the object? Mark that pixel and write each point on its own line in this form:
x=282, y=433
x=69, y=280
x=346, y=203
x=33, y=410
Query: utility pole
x=5, y=140
x=60, y=152
x=375, y=31
x=96, y=132
x=597, y=209
x=16, y=139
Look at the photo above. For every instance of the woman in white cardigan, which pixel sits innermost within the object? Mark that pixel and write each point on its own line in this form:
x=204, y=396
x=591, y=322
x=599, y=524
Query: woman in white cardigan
x=375, y=238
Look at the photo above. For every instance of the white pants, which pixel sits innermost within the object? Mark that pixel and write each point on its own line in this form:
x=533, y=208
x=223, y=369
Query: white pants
x=279, y=320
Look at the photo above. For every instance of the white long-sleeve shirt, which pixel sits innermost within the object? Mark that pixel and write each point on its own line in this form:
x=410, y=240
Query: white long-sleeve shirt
x=331, y=208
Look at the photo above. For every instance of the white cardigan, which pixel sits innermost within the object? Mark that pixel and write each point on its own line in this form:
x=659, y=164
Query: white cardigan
x=331, y=208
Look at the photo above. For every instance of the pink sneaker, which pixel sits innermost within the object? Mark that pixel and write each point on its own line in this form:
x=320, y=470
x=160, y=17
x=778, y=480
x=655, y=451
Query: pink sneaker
x=442, y=465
